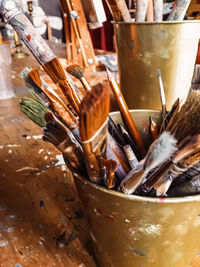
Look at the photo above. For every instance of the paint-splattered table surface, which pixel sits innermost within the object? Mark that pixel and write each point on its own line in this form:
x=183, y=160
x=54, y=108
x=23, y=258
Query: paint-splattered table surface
x=41, y=221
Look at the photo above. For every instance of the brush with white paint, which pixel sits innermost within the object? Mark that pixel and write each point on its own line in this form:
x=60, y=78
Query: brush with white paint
x=159, y=152
x=187, y=154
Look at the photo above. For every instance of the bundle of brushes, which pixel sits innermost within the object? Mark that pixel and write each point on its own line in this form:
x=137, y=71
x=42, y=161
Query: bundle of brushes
x=111, y=155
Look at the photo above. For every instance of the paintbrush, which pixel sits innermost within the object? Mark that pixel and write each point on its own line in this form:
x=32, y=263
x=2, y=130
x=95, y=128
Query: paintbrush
x=34, y=109
x=176, y=170
x=153, y=126
x=159, y=152
x=125, y=112
x=56, y=72
x=64, y=140
x=141, y=10
x=33, y=81
x=77, y=72
x=174, y=110
x=129, y=140
x=188, y=147
x=119, y=10
x=150, y=13
x=162, y=95
x=179, y=10
x=190, y=187
x=93, y=118
x=187, y=121
x=110, y=166
x=158, y=10
x=55, y=132
x=40, y=50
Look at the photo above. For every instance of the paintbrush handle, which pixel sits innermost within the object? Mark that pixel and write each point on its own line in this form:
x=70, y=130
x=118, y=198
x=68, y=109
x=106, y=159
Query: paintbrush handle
x=158, y=10
x=126, y=114
x=150, y=13
x=179, y=10
x=26, y=31
x=141, y=10
x=119, y=10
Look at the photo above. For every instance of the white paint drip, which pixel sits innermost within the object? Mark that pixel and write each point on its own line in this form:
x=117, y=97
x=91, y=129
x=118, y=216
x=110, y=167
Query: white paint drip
x=27, y=168
x=37, y=137
x=10, y=151
x=61, y=162
x=13, y=145
x=40, y=151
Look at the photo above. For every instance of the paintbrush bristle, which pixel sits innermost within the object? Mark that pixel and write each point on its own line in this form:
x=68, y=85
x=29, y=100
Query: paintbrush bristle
x=34, y=110
x=94, y=111
x=187, y=121
x=30, y=83
x=160, y=150
x=75, y=70
x=55, y=70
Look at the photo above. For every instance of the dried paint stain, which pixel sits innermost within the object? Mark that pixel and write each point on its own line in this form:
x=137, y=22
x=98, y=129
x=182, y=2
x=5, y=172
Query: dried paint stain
x=3, y=243
x=138, y=252
x=9, y=229
x=151, y=229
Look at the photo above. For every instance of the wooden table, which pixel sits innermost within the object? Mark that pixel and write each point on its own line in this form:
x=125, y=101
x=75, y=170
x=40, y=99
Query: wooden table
x=41, y=220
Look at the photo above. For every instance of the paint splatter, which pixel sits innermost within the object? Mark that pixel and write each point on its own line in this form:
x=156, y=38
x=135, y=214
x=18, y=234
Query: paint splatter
x=3, y=207
x=3, y=243
x=1, y=147
x=109, y=218
x=17, y=265
x=11, y=218
x=42, y=203
x=9, y=229
x=138, y=252
x=60, y=162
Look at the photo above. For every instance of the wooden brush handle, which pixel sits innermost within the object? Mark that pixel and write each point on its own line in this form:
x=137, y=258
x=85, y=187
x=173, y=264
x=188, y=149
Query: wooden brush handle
x=126, y=115
x=179, y=10
x=150, y=15
x=119, y=10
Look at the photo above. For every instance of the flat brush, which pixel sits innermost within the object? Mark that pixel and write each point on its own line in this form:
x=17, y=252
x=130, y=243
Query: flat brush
x=189, y=146
x=93, y=118
x=125, y=112
x=77, y=72
x=159, y=151
x=45, y=92
x=34, y=109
